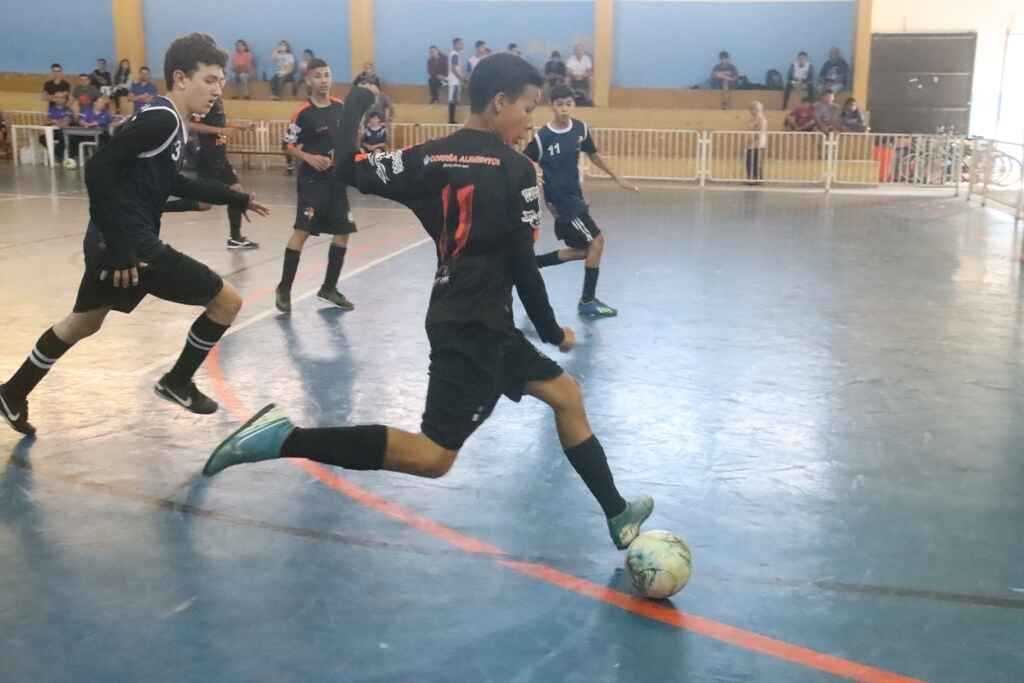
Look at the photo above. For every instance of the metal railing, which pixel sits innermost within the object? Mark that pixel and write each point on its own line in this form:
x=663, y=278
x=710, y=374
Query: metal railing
x=791, y=158
x=996, y=174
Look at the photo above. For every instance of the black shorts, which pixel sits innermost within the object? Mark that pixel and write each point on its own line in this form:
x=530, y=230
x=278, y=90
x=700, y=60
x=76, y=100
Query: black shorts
x=323, y=207
x=577, y=233
x=216, y=167
x=169, y=275
x=471, y=367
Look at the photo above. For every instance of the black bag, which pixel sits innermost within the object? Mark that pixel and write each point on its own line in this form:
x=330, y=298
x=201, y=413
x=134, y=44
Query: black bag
x=773, y=80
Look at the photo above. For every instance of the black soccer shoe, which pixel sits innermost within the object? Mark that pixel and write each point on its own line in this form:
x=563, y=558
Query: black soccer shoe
x=16, y=415
x=187, y=396
x=283, y=299
x=243, y=243
x=333, y=296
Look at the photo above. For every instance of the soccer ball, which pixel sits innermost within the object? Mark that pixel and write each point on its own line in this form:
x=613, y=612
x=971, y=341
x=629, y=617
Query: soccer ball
x=659, y=563
x=70, y=164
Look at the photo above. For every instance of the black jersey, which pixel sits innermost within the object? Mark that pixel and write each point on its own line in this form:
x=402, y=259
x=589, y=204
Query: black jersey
x=558, y=153
x=478, y=199
x=130, y=178
x=315, y=128
x=211, y=146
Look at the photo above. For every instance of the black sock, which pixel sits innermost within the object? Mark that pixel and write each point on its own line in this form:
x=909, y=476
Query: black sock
x=202, y=337
x=590, y=283
x=291, y=266
x=180, y=205
x=235, y=221
x=451, y=112
x=550, y=259
x=335, y=260
x=354, y=448
x=47, y=351
x=590, y=463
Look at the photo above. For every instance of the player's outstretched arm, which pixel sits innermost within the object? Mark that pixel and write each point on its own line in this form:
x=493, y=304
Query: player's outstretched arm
x=600, y=163
x=213, y=192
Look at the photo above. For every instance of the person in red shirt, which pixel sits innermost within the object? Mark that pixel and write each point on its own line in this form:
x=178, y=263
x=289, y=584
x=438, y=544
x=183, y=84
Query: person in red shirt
x=802, y=118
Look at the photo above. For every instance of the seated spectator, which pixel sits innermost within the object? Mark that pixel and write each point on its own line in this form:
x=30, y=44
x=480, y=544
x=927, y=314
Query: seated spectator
x=513, y=48
x=84, y=94
x=554, y=73
x=724, y=74
x=56, y=84
x=99, y=115
x=851, y=120
x=143, y=90
x=100, y=78
x=122, y=83
x=61, y=115
x=375, y=136
x=437, y=72
x=835, y=73
x=801, y=118
x=800, y=75
x=480, y=51
x=581, y=70
x=242, y=66
x=307, y=57
x=368, y=76
x=284, y=65
x=826, y=117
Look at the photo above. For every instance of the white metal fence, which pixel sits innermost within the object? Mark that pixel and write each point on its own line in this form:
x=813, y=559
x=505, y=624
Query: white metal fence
x=995, y=173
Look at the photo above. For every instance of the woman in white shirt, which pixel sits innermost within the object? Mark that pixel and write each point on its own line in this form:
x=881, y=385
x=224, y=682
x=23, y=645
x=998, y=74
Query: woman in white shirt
x=580, y=70
x=758, y=143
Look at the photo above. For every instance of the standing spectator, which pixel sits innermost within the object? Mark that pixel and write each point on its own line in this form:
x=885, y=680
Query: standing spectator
x=84, y=94
x=100, y=78
x=368, y=76
x=801, y=119
x=851, y=120
x=554, y=73
x=437, y=72
x=724, y=76
x=241, y=64
x=480, y=51
x=122, y=83
x=835, y=73
x=800, y=75
x=56, y=84
x=758, y=143
x=143, y=90
x=456, y=77
x=284, y=65
x=581, y=70
x=826, y=118
x=375, y=136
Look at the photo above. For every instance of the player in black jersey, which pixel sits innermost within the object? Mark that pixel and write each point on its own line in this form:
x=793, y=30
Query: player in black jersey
x=129, y=180
x=212, y=163
x=556, y=148
x=322, y=205
x=478, y=199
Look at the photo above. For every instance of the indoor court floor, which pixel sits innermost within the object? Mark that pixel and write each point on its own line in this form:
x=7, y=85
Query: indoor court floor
x=824, y=395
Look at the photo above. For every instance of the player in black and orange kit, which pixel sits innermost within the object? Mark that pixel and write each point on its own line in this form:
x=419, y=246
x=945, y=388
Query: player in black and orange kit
x=478, y=199
x=322, y=205
x=129, y=180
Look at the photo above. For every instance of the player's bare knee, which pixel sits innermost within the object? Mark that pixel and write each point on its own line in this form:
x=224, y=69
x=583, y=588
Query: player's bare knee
x=225, y=306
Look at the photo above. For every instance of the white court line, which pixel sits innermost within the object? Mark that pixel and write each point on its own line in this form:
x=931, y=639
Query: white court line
x=156, y=365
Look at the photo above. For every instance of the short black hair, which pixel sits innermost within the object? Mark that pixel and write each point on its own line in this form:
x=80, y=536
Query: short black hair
x=501, y=73
x=143, y=68
x=55, y=65
x=456, y=40
x=512, y=46
x=83, y=75
x=802, y=54
x=186, y=54
x=561, y=92
x=101, y=59
x=556, y=53
x=723, y=55
x=316, y=63
x=375, y=115
x=479, y=44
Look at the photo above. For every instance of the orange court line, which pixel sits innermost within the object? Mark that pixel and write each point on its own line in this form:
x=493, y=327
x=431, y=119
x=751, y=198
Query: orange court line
x=656, y=611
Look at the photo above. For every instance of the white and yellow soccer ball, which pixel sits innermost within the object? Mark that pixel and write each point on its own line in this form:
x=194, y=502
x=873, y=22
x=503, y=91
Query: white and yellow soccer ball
x=659, y=563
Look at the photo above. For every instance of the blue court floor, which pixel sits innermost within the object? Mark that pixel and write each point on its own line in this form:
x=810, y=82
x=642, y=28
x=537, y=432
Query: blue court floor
x=825, y=396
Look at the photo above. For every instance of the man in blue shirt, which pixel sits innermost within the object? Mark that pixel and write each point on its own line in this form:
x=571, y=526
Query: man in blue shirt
x=556, y=148
x=143, y=90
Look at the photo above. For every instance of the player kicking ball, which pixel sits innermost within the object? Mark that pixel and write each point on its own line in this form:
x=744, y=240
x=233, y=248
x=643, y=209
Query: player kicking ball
x=129, y=180
x=556, y=149
x=478, y=199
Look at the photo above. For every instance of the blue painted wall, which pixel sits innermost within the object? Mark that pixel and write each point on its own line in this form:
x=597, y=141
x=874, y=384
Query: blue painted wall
x=405, y=29
x=672, y=44
x=39, y=33
x=320, y=25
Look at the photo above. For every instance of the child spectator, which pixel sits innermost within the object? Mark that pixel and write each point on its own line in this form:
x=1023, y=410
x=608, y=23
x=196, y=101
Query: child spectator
x=758, y=143
x=242, y=66
x=851, y=120
x=375, y=136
